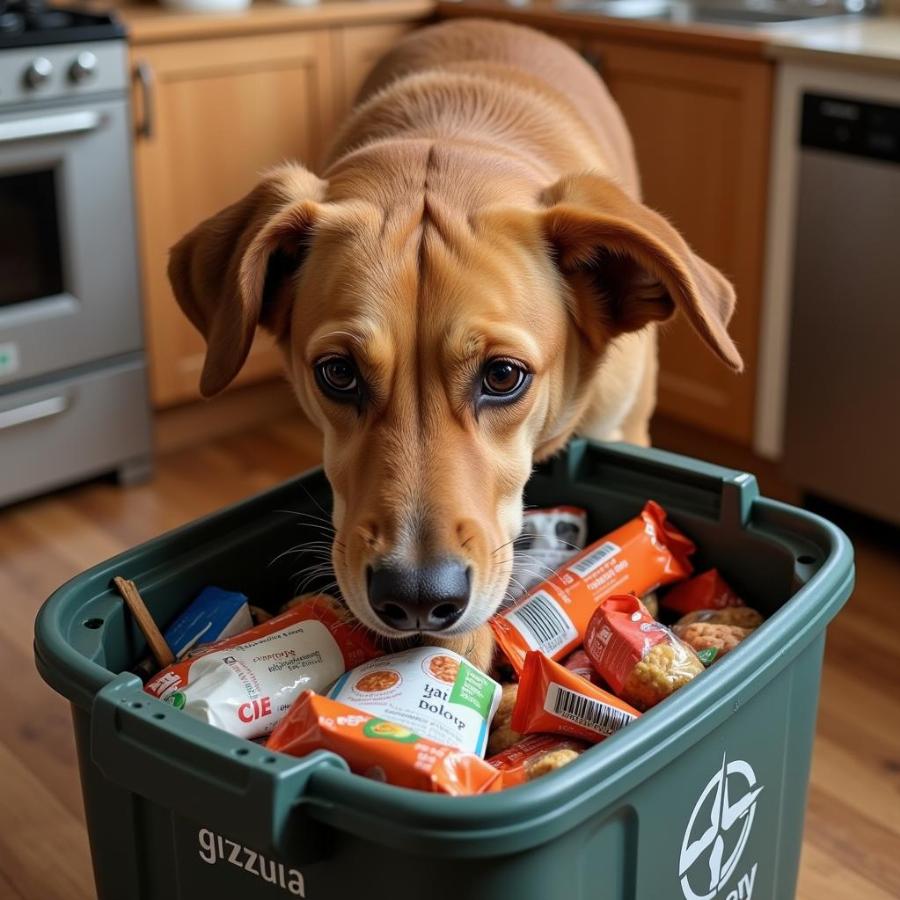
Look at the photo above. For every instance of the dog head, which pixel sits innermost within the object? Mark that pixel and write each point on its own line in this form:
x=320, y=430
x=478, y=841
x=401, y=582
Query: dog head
x=442, y=345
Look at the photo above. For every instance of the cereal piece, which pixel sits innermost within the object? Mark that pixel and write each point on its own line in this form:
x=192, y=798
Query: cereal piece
x=665, y=668
x=550, y=762
x=641, y=660
x=507, y=702
x=741, y=616
x=535, y=755
x=502, y=735
x=711, y=640
x=502, y=738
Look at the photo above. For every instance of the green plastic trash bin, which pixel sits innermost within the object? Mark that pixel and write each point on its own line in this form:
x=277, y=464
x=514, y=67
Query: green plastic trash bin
x=702, y=798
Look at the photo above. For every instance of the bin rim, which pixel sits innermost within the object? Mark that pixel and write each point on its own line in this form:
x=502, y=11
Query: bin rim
x=554, y=804
x=528, y=815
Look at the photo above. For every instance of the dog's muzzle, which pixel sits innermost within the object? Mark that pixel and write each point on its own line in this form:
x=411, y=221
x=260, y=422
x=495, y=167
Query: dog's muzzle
x=426, y=598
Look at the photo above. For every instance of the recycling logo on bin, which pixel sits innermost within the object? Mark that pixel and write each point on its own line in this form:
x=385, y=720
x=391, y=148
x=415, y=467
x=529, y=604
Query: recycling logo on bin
x=717, y=833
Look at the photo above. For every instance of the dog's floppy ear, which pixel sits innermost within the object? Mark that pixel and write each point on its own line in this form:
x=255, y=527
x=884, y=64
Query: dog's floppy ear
x=228, y=274
x=627, y=265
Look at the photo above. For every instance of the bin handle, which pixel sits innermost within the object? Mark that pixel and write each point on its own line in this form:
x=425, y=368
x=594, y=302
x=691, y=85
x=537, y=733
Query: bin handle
x=731, y=491
x=220, y=781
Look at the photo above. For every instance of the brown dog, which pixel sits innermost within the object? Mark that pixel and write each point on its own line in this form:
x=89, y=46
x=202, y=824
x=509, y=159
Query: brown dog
x=472, y=281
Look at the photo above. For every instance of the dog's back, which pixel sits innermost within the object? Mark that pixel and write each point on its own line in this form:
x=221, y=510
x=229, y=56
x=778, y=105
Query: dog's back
x=476, y=79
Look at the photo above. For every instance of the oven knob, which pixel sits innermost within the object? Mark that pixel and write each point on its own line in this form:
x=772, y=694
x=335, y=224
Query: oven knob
x=84, y=67
x=38, y=71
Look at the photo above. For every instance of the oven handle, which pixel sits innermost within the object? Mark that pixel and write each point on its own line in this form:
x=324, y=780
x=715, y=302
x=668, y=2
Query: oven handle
x=33, y=412
x=50, y=126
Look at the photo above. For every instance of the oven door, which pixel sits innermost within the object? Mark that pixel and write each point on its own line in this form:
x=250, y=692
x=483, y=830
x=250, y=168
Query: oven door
x=68, y=271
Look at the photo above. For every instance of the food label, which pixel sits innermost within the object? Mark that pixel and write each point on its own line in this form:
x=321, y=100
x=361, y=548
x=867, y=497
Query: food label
x=638, y=557
x=583, y=710
x=379, y=749
x=247, y=689
x=619, y=636
x=245, y=684
x=549, y=538
x=434, y=692
x=543, y=623
x=553, y=699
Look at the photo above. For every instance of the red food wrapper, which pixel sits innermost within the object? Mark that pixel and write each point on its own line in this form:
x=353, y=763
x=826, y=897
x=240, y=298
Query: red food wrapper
x=619, y=636
x=517, y=762
x=706, y=591
x=640, y=659
x=638, y=557
x=580, y=663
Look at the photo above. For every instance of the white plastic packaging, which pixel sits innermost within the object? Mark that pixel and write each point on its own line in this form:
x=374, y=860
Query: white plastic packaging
x=436, y=693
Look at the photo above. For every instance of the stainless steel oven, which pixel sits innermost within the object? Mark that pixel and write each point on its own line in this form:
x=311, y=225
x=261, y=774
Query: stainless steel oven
x=71, y=357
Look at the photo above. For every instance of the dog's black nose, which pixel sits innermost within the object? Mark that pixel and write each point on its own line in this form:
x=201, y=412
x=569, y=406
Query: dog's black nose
x=429, y=598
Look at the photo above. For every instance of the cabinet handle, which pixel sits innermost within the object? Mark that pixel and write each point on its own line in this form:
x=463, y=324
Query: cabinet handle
x=144, y=75
x=593, y=59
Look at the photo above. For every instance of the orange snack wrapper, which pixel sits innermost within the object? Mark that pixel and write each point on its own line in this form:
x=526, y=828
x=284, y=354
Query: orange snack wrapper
x=533, y=756
x=379, y=749
x=639, y=557
x=640, y=659
x=706, y=591
x=553, y=699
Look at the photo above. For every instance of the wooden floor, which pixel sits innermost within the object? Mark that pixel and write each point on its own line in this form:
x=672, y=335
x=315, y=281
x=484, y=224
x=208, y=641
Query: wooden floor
x=852, y=847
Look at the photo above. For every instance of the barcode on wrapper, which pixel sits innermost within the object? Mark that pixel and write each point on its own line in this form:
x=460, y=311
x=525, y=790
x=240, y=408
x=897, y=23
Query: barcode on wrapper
x=585, y=711
x=543, y=623
x=594, y=559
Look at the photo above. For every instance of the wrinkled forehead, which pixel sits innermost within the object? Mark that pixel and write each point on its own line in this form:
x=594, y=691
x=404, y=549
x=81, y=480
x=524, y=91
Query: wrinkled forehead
x=452, y=289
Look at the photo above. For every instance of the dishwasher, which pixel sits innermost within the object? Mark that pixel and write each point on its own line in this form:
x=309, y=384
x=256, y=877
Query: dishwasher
x=842, y=429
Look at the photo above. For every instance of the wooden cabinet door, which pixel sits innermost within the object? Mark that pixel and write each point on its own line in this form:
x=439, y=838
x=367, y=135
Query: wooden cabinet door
x=701, y=125
x=355, y=52
x=218, y=113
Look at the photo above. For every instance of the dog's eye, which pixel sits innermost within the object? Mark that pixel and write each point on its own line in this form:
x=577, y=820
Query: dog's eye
x=504, y=379
x=337, y=378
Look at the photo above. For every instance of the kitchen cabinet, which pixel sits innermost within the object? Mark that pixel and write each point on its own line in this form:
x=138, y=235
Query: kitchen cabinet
x=701, y=124
x=210, y=115
x=356, y=50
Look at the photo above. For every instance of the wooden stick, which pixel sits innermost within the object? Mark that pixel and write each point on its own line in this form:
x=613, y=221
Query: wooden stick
x=132, y=597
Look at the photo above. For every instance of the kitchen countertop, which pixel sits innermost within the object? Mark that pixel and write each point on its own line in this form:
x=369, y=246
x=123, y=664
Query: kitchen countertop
x=545, y=14
x=869, y=43
x=866, y=42
x=151, y=23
